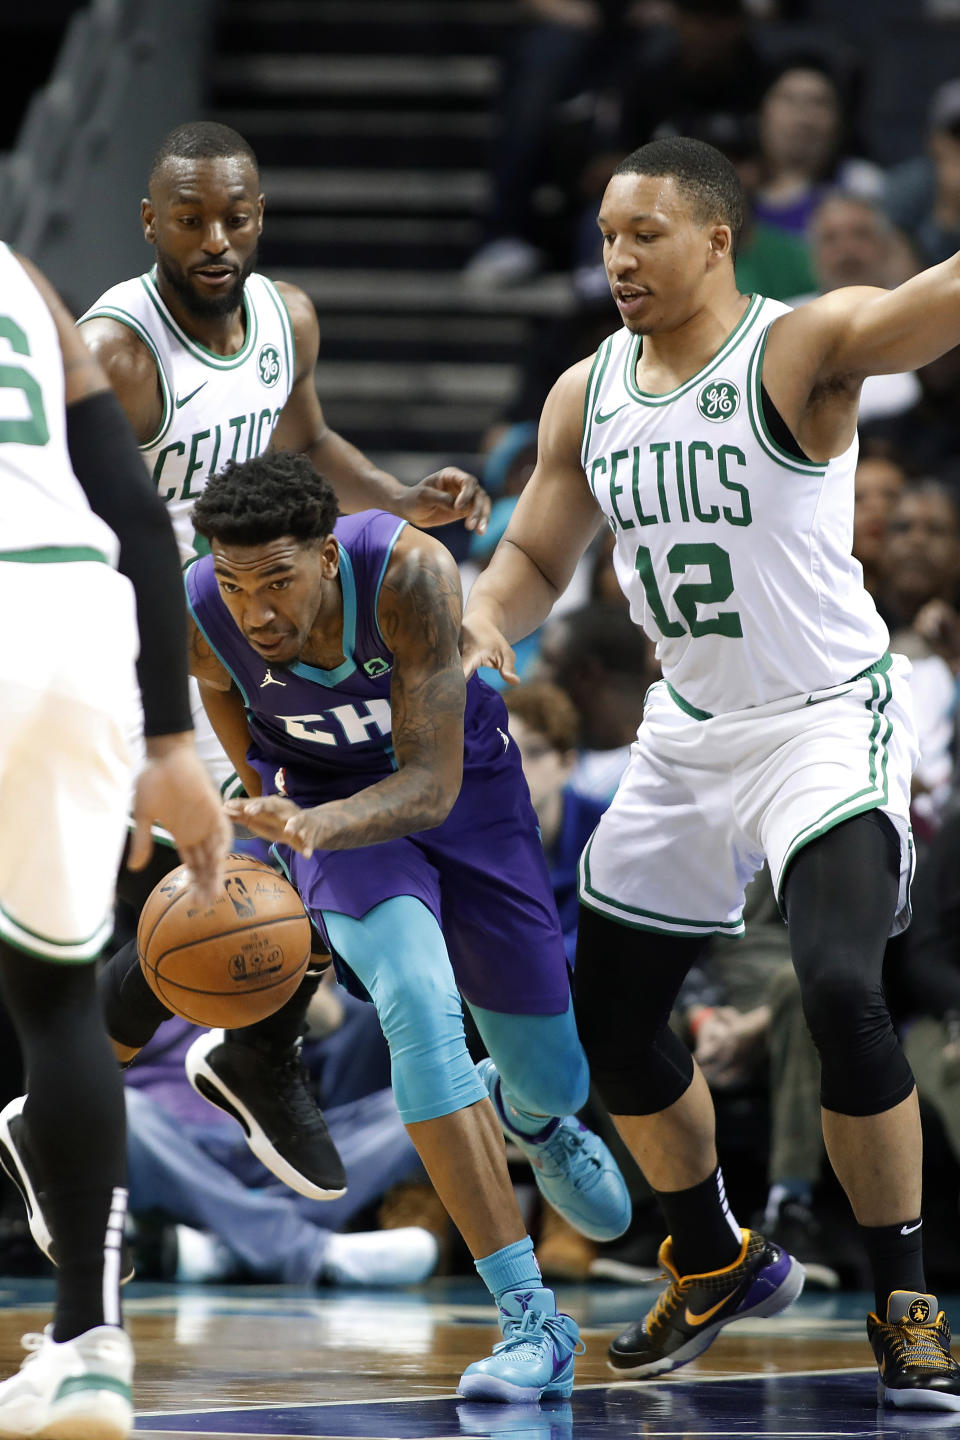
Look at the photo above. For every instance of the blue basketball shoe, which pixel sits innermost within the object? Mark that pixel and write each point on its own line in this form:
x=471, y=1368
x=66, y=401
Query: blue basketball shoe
x=534, y=1360
x=573, y=1168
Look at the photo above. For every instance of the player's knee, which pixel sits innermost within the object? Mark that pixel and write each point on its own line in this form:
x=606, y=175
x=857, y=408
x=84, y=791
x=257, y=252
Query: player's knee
x=546, y=1089
x=863, y=1069
x=646, y=1081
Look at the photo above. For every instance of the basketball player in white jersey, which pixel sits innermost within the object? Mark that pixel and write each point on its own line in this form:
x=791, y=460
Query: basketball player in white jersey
x=73, y=486
x=212, y=361
x=716, y=434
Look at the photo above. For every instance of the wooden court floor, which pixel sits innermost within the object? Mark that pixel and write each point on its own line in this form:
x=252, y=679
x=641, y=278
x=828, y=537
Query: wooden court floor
x=273, y=1363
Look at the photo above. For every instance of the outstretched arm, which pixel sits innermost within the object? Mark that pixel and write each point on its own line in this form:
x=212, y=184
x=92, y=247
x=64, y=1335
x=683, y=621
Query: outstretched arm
x=818, y=356
x=419, y=617
x=450, y=494
x=554, y=521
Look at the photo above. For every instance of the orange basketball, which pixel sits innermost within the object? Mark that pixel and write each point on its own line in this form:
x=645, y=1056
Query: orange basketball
x=231, y=963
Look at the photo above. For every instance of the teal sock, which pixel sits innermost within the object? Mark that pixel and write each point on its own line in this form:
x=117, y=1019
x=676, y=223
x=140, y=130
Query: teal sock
x=512, y=1268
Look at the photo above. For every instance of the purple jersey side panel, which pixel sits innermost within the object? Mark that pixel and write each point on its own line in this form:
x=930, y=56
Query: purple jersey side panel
x=320, y=735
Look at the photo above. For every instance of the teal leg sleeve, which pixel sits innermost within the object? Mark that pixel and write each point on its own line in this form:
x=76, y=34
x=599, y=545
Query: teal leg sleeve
x=543, y=1069
x=399, y=954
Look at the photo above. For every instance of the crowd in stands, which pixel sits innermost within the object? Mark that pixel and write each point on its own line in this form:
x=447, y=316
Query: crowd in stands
x=585, y=82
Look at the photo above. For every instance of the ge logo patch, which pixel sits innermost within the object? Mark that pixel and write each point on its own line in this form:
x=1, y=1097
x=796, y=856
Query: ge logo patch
x=718, y=400
x=268, y=364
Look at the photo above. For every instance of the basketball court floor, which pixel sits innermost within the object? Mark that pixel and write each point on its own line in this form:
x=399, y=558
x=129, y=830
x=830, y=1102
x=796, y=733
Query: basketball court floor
x=216, y=1363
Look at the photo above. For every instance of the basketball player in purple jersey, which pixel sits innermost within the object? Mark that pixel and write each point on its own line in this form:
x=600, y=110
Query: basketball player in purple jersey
x=328, y=662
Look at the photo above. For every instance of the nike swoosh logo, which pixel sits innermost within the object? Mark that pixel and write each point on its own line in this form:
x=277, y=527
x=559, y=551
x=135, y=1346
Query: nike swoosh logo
x=909, y=1229
x=814, y=700
x=692, y=1319
x=179, y=403
x=599, y=419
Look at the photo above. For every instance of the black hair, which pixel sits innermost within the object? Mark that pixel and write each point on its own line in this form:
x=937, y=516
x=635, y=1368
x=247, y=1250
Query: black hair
x=606, y=635
x=202, y=140
x=704, y=175
x=273, y=495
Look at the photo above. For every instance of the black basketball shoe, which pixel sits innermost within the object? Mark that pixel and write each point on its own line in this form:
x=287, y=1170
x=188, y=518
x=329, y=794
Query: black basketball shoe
x=15, y=1159
x=912, y=1346
x=272, y=1100
x=691, y=1312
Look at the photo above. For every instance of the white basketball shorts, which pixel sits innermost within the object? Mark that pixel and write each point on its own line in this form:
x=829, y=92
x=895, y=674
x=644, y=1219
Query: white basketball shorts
x=68, y=687
x=703, y=802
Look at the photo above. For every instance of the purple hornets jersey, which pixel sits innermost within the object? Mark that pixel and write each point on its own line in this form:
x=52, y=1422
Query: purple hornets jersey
x=327, y=731
x=318, y=735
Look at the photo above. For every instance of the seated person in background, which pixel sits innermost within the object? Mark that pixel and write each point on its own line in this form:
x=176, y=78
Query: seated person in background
x=545, y=725
x=606, y=666
x=879, y=481
x=801, y=132
x=853, y=243
x=190, y=1166
x=922, y=196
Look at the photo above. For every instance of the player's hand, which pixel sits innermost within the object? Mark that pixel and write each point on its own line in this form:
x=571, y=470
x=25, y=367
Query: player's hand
x=266, y=816
x=482, y=644
x=174, y=790
x=450, y=494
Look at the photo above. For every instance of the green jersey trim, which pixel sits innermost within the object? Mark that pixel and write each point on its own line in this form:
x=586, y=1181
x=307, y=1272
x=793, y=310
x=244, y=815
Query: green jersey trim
x=875, y=794
x=639, y=919
x=198, y=351
x=286, y=326
x=758, y=422
x=55, y=555
x=123, y=317
x=685, y=705
x=594, y=381
x=31, y=942
x=733, y=340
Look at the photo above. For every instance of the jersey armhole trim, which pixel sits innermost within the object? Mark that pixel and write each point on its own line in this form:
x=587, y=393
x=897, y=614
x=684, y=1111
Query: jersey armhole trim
x=286, y=326
x=758, y=422
x=383, y=570
x=594, y=381
x=122, y=317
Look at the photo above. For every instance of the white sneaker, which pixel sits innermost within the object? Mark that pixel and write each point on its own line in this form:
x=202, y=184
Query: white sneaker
x=502, y=262
x=78, y=1390
x=381, y=1257
x=201, y=1257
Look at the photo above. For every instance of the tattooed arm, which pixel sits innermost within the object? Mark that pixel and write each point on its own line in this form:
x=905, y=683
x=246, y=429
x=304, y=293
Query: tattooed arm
x=223, y=704
x=419, y=616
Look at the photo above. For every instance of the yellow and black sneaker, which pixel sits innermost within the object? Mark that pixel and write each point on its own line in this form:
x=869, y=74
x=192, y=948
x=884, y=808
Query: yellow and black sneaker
x=688, y=1316
x=912, y=1346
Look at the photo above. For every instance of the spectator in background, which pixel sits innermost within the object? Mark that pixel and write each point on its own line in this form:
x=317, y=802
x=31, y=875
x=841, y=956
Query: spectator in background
x=921, y=566
x=190, y=1164
x=546, y=728
x=606, y=665
x=802, y=138
x=879, y=482
x=853, y=243
x=922, y=196
x=928, y=434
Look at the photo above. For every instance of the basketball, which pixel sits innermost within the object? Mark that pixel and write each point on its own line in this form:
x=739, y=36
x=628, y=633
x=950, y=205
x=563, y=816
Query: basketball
x=231, y=963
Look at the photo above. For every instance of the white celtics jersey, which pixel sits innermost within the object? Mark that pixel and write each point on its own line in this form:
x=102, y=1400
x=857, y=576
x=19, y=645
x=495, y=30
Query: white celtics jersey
x=735, y=555
x=45, y=511
x=215, y=407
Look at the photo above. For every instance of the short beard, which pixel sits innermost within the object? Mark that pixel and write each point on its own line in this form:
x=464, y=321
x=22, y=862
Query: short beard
x=216, y=307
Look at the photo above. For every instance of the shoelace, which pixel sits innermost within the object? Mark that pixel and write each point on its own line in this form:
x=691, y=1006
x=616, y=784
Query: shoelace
x=293, y=1085
x=526, y=1336
x=570, y=1144
x=926, y=1340
x=33, y=1344
x=667, y=1302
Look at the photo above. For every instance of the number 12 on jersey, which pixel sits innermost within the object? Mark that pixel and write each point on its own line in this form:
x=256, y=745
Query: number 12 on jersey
x=688, y=596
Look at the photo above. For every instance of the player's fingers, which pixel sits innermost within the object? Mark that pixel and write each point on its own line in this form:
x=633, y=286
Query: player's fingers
x=296, y=832
x=141, y=844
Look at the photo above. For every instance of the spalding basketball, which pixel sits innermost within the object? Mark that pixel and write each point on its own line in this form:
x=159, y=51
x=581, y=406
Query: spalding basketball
x=231, y=963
